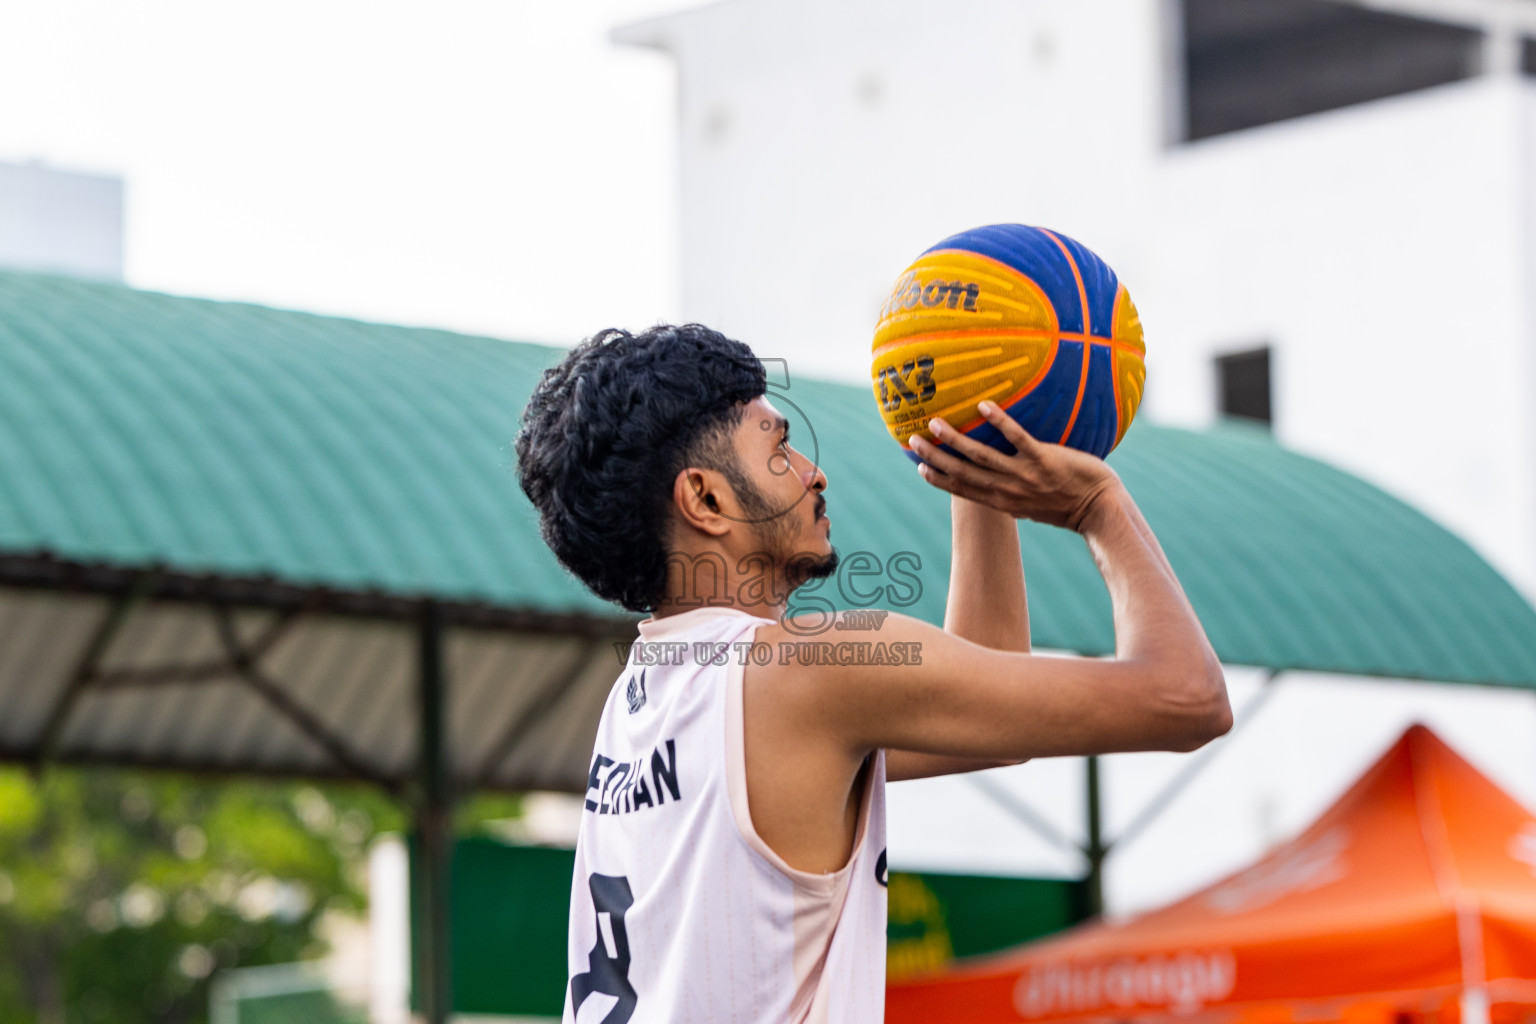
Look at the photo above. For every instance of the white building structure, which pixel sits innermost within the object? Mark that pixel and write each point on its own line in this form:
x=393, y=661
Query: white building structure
x=1384, y=249
x=1348, y=188
x=61, y=222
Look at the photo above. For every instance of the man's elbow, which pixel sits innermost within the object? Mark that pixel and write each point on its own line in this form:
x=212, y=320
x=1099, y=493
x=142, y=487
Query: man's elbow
x=1212, y=724
x=1203, y=711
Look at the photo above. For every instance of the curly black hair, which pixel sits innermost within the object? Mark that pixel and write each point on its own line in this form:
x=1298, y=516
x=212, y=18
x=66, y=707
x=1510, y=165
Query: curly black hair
x=605, y=435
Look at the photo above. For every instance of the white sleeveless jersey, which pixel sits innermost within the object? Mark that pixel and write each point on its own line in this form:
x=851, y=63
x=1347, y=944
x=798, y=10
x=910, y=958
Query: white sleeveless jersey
x=680, y=913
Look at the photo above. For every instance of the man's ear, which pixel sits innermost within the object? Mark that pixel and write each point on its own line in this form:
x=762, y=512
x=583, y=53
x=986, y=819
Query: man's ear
x=700, y=496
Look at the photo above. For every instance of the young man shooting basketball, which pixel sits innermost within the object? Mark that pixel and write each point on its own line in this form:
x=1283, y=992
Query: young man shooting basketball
x=731, y=860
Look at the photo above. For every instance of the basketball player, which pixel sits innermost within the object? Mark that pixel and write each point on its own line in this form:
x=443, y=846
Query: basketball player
x=731, y=860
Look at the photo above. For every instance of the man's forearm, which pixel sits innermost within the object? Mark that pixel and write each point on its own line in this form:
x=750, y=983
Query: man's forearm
x=1154, y=622
x=987, y=603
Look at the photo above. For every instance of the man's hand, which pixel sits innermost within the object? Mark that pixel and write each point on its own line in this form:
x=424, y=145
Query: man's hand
x=1048, y=483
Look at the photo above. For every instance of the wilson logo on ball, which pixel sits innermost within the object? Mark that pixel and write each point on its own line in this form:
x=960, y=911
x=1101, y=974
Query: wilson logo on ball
x=1020, y=316
x=911, y=293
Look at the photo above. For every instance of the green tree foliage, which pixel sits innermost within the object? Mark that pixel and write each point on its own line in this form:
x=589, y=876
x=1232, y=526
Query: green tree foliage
x=121, y=893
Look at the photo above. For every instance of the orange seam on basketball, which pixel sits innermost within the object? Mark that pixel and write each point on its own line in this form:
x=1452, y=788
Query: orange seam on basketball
x=970, y=353
x=1121, y=420
x=982, y=257
x=1095, y=339
x=886, y=323
x=988, y=333
x=1082, y=296
x=1082, y=386
x=1029, y=385
x=1082, y=290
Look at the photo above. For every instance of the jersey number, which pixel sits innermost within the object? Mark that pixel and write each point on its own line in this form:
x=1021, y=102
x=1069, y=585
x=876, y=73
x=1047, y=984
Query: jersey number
x=608, y=963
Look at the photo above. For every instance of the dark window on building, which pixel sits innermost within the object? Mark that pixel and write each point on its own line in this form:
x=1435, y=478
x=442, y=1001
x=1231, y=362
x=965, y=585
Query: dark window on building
x=1253, y=62
x=1528, y=56
x=1242, y=385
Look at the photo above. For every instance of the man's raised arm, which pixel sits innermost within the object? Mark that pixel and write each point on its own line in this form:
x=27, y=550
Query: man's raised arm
x=1163, y=690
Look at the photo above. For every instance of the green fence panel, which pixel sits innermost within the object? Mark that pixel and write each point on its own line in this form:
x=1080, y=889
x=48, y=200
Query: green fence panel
x=935, y=917
x=510, y=905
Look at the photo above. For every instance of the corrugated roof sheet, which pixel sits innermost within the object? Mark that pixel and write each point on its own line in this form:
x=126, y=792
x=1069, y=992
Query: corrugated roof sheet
x=237, y=440
x=354, y=678
x=233, y=440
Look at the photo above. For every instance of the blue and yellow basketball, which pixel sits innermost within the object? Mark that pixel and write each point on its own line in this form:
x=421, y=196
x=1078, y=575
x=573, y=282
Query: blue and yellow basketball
x=1020, y=316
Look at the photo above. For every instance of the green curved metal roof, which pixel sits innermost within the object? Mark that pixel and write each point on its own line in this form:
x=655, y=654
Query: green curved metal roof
x=237, y=441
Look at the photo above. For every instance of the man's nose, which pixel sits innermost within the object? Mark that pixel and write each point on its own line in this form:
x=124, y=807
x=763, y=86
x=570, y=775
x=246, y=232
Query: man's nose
x=811, y=474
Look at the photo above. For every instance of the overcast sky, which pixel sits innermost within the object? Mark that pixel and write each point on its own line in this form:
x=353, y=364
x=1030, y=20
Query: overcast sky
x=493, y=166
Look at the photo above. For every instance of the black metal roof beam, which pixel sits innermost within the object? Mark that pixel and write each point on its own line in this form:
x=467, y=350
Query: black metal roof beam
x=44, y=571
x=248, y=671
x=84, y=673
x=202, y=671
x=555, y=687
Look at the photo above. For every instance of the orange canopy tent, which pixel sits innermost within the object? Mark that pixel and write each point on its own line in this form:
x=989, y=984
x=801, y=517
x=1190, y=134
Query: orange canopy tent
x=1412, y=899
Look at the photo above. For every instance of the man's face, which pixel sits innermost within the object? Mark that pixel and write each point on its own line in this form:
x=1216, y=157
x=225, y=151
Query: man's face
x=785, y=509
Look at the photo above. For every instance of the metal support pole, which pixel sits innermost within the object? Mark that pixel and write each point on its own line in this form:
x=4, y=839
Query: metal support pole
x=1095, y=851
x=434, y=827
x=1025, y=814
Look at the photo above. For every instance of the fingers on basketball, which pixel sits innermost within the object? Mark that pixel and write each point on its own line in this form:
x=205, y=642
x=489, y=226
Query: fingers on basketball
x=1017, y=436
x=954, y=483
x=973, y=450
x=936, y=458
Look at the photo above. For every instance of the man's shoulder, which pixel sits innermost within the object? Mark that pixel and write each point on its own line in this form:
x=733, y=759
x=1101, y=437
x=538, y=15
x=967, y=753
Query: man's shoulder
x=810, y=647
x=834, y=624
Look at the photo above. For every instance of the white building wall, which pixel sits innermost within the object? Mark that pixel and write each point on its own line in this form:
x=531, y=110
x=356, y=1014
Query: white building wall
x=825, y=145
x=61, y=222
x=1382, y=250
